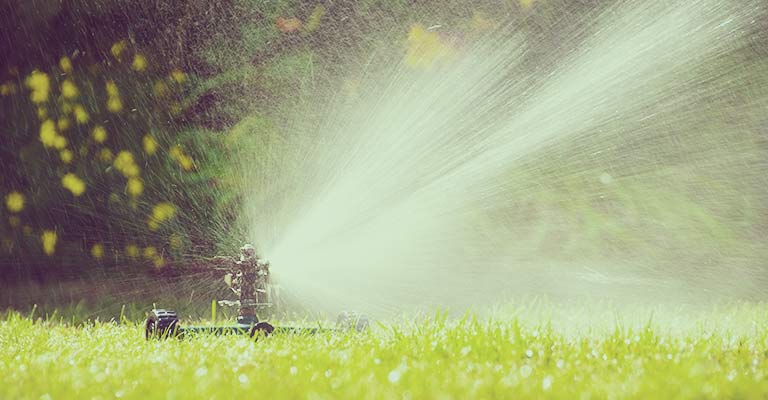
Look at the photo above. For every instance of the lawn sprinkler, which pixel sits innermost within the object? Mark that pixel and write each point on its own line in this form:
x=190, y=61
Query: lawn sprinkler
x=248, y=277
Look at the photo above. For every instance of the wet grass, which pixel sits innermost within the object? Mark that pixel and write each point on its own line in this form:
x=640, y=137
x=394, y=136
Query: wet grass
x=720, y=356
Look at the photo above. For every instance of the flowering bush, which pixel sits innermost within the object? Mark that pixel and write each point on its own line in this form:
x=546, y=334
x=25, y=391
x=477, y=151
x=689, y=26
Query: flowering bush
x=96, y=168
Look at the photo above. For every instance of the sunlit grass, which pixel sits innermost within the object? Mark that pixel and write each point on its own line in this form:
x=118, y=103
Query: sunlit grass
x=436, y=357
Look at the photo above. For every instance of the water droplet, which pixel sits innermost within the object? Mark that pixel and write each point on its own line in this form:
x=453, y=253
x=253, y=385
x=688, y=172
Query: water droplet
x=529, y=353
x=394, y=375
x=546, y=383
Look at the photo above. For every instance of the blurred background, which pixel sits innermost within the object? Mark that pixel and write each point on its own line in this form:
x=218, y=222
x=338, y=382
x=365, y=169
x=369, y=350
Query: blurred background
x=133, y=133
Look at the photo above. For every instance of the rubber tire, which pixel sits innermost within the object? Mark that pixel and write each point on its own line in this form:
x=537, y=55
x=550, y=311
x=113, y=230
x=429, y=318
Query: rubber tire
x=263, y=329
x=161, y=324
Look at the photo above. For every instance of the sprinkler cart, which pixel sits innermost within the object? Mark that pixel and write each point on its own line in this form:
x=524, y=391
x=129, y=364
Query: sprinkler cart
x=249, y=279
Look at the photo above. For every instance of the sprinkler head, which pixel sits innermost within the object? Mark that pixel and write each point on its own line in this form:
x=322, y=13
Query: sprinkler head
x=248, y=251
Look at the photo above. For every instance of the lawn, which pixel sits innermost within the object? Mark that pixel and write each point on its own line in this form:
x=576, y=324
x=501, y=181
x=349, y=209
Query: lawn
x=520, y=352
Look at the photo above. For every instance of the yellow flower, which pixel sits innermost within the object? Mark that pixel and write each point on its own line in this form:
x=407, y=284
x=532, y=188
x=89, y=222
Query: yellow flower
x=186, y=163
x=182, y=159
x=97, y=251
x=65, y=64
x=48, y=133
x=118, y=48
x=132, y=251
x=42, y=113
x=150, y=252
x=81, y=116
x=424, y=47
x=125, y=164
x=139, y=63
x=175, y=241
x=74, y=184
x=123, y=159
x=160, y=88
x=288, y=25
x=114, y=104
x=59, y=142
x=49, y=242
x=175, y=108
x=159, y=262
x=7, y=88
x=178, y=76
x=150, y=144
x=66, y=107
x=112, y=90
x=135, y=187
x=175, y=151
x=132, y=170
x=105, y=155
x=526, y=3
x=161, y=212
x=14, y=201
x=66, y=156
x=313, y=21
x=99, y=134
x=63, y=124
x=68, y=89
x=40, y=85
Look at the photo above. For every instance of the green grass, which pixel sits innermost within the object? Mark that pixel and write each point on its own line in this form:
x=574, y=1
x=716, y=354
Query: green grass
x=718, y=353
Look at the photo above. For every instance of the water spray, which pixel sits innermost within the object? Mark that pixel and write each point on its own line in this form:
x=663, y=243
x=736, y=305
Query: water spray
x=433, y=188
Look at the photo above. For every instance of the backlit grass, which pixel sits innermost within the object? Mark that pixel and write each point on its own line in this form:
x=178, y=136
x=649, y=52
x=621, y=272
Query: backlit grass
x=717, y=354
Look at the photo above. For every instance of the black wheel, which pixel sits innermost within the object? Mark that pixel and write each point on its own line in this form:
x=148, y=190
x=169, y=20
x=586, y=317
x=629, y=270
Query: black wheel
x=352, y=320
x=161, y=324
x=262, y=329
